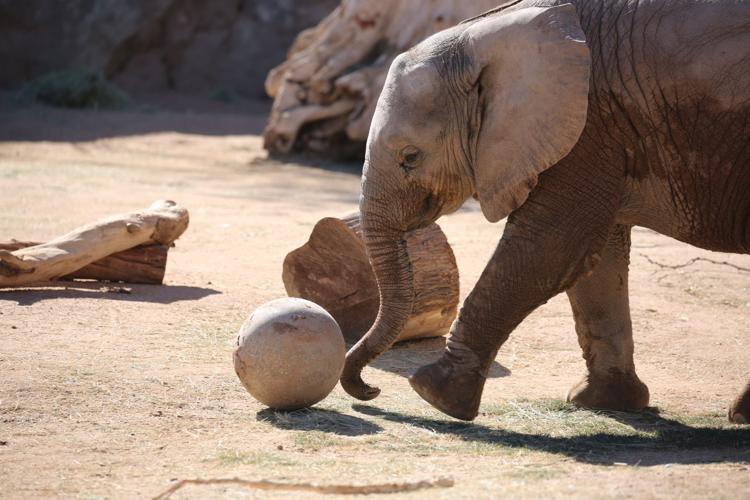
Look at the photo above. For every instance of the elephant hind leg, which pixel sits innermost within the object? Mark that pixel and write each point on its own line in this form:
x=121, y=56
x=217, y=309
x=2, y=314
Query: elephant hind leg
x=602, y=315
x=739, y=412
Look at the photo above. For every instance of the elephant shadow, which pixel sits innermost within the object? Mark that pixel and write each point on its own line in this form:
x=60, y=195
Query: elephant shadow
x=405, y=357
x=666, y=441
x=318, y=419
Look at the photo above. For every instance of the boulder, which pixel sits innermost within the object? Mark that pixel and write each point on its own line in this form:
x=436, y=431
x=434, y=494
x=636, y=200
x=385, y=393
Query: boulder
x=198, y=46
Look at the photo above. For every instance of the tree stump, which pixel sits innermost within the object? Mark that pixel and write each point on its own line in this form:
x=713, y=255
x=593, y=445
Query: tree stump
x=325, y=92
x=332, y=270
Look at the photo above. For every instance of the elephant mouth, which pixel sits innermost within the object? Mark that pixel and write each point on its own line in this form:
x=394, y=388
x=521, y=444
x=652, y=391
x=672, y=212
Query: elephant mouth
x=430, y=210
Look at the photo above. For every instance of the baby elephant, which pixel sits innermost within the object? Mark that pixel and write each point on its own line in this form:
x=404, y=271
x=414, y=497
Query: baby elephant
x=577, y=121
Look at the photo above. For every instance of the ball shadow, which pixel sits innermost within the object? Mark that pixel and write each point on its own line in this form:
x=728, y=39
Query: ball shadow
x=317, y=419
x=406, y=357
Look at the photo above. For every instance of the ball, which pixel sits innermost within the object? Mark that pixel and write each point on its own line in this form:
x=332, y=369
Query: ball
x=289, y=354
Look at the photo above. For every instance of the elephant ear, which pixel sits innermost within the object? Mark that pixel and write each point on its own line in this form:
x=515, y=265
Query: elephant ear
x=532, y=66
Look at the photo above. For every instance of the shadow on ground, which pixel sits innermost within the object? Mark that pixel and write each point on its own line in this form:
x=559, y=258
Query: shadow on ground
x=406, y=357
x=156, y=294
x=167, y=112
x=351, y=166
x=317, y=419
x=668, y=441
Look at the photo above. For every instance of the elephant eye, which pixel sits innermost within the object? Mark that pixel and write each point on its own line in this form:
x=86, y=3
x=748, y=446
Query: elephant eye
x=410, y=157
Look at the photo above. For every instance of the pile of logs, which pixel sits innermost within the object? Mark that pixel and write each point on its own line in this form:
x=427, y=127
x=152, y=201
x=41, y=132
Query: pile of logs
x=131, y=248
x=325, y=92
x=332, y=270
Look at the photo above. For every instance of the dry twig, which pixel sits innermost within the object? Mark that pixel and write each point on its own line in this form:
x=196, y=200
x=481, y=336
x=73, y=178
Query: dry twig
x=325, y=489
x=693, y=261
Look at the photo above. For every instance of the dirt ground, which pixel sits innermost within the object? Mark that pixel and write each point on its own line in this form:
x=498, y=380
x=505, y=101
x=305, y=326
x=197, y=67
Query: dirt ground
x=120, y=395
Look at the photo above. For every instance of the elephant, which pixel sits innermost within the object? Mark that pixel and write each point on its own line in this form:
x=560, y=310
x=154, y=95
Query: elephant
x=576, y=120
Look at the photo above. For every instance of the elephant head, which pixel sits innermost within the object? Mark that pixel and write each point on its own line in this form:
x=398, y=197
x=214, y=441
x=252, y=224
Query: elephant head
x=480, y=109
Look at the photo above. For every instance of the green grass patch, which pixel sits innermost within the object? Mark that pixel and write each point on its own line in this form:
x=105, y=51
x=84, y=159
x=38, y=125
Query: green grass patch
x=227, y=96
x=74, y=89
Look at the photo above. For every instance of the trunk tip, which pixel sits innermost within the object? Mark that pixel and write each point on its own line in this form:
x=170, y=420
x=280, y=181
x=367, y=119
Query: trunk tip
x=357, y=388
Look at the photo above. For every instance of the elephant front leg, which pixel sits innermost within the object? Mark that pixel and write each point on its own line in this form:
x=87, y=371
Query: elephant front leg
x=602, y=315
x=454, y=384
x=522, y=275
x=540, y=255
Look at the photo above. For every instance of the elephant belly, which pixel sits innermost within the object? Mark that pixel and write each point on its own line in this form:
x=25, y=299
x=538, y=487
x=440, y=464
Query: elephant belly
x=694, y=183
x=705, y=221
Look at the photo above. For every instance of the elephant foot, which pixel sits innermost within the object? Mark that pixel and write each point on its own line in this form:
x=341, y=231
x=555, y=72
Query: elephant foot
x=614, y=391
x=739, y=412
x=455, y=394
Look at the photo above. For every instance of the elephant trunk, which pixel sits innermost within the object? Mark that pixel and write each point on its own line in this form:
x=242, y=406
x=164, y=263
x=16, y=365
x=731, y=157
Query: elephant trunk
x=390, y=262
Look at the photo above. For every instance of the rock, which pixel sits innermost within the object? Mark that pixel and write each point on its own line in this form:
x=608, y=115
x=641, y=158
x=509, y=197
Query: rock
x=152, y=45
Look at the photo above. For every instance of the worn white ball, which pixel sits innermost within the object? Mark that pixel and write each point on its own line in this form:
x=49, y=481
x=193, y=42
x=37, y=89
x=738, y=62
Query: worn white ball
x=289, y=353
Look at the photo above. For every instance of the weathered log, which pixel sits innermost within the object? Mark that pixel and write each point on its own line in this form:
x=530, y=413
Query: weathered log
x=143, y=265
x=325, y=92
x=332, y=270
x=162, y=223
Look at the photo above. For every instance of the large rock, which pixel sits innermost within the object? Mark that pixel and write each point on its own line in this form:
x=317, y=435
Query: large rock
x=148, y=45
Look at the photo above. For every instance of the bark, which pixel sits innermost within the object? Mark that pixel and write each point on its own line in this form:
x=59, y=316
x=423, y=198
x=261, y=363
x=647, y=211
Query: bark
x=140, y=265
x=332, y=270
x=325, y=92
x=162, y=223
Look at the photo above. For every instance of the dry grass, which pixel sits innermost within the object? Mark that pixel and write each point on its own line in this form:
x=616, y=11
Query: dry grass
x=545, y=426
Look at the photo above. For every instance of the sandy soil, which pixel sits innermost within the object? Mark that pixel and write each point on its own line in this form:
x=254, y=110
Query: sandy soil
x=117, y=395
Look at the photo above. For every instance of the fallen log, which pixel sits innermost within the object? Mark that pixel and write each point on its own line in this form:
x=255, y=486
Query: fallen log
x=144, y=265
x=332, y=270
x=160, y=224
x=326, y=90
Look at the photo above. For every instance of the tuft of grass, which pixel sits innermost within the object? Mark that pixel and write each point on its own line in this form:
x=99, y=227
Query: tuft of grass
x=73, y=88
x=317, y=440
x=533, y=472
x=554, y=417
x=258, y=458
x=227, y=96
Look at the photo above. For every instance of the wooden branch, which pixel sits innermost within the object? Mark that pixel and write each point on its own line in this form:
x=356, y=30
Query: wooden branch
x=332, y=270
x=140, y=265
x=345, y=59
x=323, y=489
x=161, y=224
